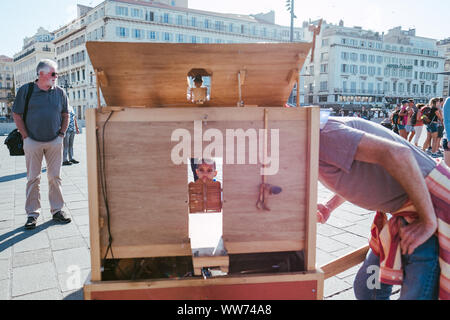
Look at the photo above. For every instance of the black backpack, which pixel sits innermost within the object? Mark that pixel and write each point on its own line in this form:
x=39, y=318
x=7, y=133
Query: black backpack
x=14, y=141
x=427, y=116
x=396, y=118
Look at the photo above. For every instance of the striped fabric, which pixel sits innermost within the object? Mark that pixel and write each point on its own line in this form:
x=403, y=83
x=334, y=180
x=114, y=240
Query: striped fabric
x=385, y=240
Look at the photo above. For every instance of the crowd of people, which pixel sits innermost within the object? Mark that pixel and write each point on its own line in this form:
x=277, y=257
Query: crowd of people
x=409, y=120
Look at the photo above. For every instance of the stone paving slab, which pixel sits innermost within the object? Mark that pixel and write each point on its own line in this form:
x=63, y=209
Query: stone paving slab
x=40, y=264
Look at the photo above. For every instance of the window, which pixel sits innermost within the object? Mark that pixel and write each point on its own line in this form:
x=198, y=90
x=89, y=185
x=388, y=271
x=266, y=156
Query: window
x=138, y=34
x=152, y=35
x=363, y=70
x=324, y=56
x=166, y=36
x=323, y=68
x=354, y=56
x=180, y=20
x=371, y=59
x=323, y=85
x=136, y=13
x=354, y=69
x=206, y=23
x=122, y=32
x=194, y=21
x=371, y=71
x=180, y=38
x=344, y=55
x=363, y=57
x=345, y=68
x=193, y=39
x=121, y=11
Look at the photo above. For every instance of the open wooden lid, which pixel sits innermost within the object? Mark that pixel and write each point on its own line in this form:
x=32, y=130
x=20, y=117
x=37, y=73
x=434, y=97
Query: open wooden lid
x=155, y=74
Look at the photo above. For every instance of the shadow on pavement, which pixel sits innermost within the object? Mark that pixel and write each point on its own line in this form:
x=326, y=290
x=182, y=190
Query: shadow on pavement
x=16, y=176
x=77, y=295
x=21, y=234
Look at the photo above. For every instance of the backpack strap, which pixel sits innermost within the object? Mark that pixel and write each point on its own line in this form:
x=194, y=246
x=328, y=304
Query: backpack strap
x=27, y=100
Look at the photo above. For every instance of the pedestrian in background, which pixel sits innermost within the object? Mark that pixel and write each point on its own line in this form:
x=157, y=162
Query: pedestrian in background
x=446, y=114
x=69, y=139
x=43, y=133
x=418, y=127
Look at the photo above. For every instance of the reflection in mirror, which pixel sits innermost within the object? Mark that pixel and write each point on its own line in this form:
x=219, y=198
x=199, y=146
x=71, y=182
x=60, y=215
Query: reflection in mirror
x=199, y=86
x=205, y=204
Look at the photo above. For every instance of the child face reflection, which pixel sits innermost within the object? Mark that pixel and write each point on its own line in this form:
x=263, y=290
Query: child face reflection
x=206, y=172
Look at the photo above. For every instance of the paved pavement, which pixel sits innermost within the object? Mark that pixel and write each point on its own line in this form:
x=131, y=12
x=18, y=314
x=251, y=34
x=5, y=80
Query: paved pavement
x=53, y=261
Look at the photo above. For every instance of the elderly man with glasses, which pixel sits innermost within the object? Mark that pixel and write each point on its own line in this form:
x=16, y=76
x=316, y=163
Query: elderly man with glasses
x=43, y=131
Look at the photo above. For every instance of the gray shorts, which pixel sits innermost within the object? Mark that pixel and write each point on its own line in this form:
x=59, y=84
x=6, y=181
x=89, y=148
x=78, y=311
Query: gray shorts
x=409, y=128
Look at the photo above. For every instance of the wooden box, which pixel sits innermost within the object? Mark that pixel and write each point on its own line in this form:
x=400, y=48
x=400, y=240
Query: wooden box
x=138, y=179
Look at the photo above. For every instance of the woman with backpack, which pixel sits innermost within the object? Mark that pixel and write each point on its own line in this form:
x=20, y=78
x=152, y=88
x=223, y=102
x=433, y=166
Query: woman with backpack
x=431, y=117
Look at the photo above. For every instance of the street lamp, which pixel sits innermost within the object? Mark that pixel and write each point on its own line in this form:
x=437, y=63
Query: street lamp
x=290, y=7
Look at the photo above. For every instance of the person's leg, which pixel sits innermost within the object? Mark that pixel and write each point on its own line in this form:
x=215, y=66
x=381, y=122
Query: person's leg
x=427, y=142
x=34, y=153
x=411, y=134
x=403, y=133
x=421, y=272
x=366, y=285
x=418, y=130
x=71, y=140
x=434, y=142
x=53, y=157
x=66, y=147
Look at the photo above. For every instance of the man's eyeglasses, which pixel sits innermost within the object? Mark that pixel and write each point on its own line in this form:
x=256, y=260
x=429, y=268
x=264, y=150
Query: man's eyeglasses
x=54, y=74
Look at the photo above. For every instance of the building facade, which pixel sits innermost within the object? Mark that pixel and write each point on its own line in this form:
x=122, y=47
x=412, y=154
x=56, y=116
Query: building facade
x=354, y=67
x=34, y=49
x=444, y=45
x=6, y=84
x=151, y=21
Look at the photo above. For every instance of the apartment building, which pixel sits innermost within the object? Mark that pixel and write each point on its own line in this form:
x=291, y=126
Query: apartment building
x=444, y=45
x=6, y=84
x=34, y=49
x=356, y=67
x=151, y=21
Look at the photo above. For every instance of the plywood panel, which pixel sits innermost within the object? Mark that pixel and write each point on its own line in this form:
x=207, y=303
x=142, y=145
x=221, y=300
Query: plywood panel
x=247, y=229
x=154, y=74
x=147, y=193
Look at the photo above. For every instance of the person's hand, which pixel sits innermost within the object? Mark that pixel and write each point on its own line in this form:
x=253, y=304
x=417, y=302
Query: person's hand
x=415, y=234
x=323, y=213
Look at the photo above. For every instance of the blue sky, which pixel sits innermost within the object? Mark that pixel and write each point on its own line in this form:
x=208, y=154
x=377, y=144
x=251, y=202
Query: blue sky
x=22, y=18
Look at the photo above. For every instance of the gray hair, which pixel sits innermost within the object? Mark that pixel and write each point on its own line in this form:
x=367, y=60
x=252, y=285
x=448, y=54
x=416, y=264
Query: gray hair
x=45, y=65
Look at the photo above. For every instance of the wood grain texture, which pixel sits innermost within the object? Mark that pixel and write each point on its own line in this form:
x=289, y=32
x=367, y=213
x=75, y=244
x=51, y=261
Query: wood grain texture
x=154, y=74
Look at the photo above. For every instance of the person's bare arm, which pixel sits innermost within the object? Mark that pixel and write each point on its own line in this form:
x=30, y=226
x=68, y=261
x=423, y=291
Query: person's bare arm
x=65, y=122
x=20, y=124
x=324, y=210
x=399, y=162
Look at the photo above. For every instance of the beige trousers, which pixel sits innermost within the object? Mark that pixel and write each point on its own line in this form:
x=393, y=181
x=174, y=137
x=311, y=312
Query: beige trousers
x=35, y=151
